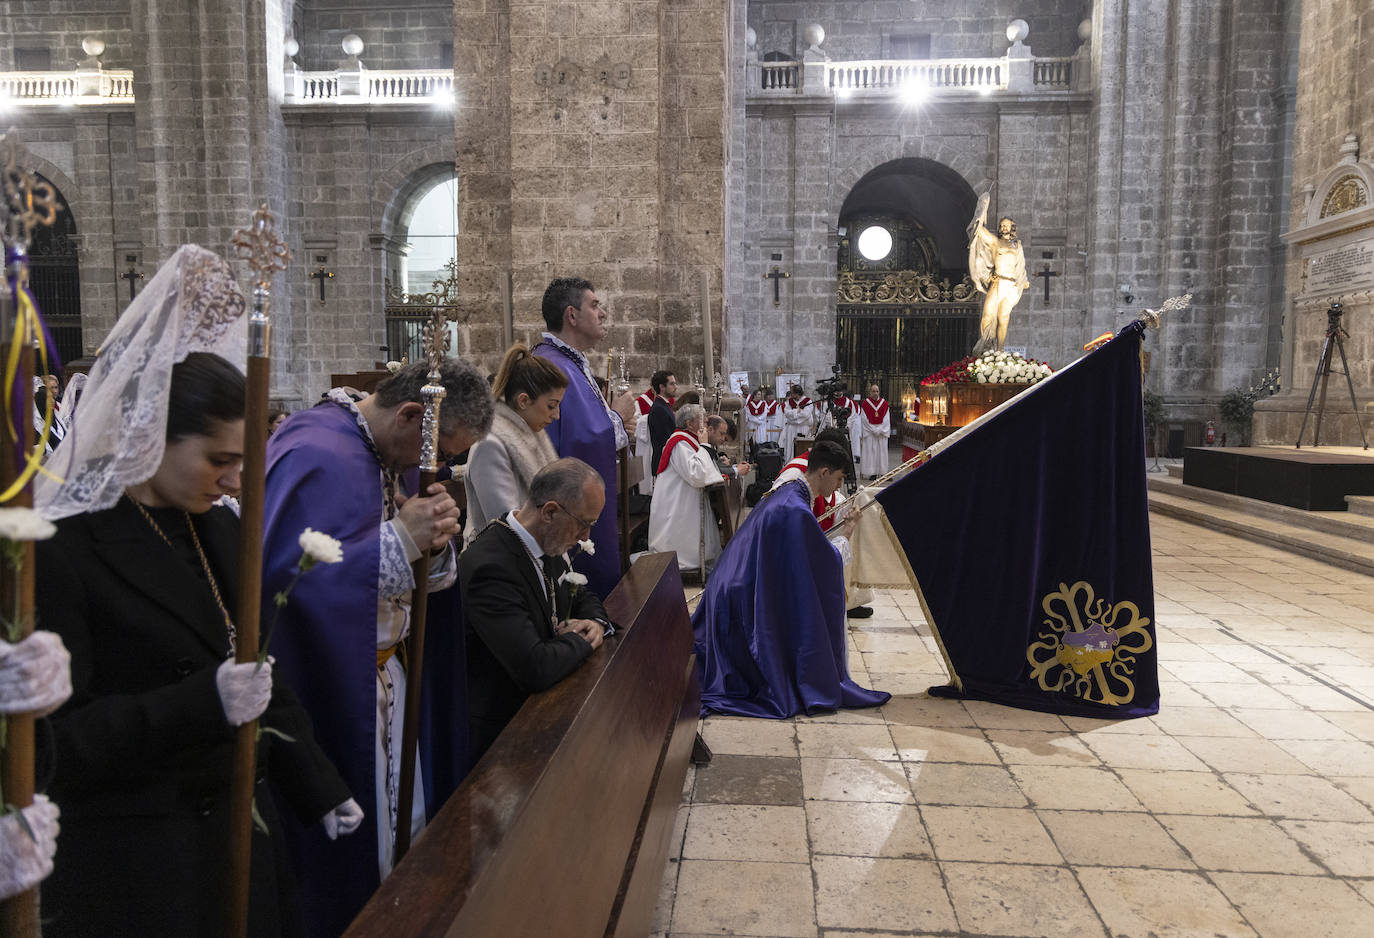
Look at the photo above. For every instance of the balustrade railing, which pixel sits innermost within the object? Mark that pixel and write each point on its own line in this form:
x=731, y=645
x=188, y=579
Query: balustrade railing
x=1053, y=72
x=781, y=76
x=318, y=86
x=77, y=86
x=372, y=86
x=393, y=85
x=891, y=75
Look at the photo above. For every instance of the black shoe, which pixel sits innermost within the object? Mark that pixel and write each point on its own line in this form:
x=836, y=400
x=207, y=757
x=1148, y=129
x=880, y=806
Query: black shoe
x=860, y=612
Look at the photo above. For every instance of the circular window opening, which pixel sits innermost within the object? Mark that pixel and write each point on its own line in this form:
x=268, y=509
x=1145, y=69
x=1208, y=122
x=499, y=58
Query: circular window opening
x=875, y=242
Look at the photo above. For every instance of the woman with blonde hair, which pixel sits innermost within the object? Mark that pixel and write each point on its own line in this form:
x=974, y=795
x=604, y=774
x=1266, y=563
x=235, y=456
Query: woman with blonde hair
x=528, y=390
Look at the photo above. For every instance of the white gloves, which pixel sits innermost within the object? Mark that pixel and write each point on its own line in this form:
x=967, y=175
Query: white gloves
x=35, y=674
x=244, y=690
x=25, y=859
x=342, y=820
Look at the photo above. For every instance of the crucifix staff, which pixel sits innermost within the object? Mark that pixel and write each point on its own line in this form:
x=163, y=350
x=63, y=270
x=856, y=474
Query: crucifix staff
x=436, y=349
x=28, y=203
x=265, y=253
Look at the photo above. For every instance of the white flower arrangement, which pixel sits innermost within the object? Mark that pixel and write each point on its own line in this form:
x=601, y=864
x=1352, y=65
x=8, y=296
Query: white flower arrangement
x=394, y=367
x=1007, y=368
x=318, y=547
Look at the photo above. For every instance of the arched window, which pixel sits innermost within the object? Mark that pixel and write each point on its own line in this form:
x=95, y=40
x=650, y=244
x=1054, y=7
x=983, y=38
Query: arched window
x=433, y=235
x=425, y=262
x=55, y=279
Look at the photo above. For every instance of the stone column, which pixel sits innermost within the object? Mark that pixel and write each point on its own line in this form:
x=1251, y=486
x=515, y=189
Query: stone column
x=591, y=142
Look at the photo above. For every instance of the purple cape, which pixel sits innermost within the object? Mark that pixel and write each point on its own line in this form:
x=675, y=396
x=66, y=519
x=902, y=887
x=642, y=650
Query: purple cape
x=321, y=474
x=584, y=430
x=770, y=629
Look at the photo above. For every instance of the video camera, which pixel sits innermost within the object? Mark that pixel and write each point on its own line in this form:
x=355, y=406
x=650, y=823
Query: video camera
x=827, y=389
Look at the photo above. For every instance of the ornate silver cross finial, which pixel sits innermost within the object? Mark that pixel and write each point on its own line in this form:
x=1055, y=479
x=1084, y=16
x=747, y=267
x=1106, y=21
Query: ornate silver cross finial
x=29, y=202
x=1152, y=317
x=261, y=247
x=266, y=253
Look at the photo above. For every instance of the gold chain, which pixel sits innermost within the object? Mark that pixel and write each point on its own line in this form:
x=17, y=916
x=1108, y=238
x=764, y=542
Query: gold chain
x=204, y=562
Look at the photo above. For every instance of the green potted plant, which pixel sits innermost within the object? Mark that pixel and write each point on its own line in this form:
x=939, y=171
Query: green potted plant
x=1154, y=419
x=1237, y=408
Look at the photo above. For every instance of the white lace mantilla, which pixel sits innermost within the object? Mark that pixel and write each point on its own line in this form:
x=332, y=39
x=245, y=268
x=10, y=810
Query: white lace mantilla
x=118, y=436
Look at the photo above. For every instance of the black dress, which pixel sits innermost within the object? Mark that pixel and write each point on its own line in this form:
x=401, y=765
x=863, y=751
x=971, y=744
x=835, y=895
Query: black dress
x=141, y=753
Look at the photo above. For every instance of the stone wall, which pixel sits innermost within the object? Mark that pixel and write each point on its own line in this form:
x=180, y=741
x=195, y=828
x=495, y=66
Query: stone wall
x=1333, y=101
x=621, y=185
x=397, y=35
x=60, y=25
x=1187, y=173
x=863, y=29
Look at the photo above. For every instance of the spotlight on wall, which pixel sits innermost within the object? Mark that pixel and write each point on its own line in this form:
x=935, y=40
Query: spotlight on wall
x=1127, y=296
x=443, y=98
x=914, y=92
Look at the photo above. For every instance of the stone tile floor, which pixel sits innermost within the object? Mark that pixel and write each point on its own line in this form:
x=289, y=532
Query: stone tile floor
x=1245, y=807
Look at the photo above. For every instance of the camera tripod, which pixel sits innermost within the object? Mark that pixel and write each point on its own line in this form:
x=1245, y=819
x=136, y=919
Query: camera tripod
x=1334, y=334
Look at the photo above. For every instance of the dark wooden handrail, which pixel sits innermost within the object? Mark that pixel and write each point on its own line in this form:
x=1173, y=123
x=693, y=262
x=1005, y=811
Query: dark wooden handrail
x=563, y=826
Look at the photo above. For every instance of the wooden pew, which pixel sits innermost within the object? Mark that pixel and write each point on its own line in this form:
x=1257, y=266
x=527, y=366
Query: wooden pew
x=563, y=827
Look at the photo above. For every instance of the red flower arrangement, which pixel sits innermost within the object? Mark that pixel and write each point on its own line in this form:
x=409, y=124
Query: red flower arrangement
x=953, y=373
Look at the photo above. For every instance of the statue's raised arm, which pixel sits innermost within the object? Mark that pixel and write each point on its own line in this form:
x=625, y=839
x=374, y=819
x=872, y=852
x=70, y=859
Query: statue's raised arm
x=981, y=246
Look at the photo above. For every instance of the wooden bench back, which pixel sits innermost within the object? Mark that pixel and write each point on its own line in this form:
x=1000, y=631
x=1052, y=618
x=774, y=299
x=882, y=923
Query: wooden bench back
x=563, y=827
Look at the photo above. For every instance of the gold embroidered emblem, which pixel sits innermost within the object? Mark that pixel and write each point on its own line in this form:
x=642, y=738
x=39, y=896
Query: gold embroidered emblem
x=1091, y=646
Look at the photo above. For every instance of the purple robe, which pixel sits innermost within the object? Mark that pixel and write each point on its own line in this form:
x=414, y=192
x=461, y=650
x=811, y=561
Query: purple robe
x=322, y=474
x=584, y=430
x=770, y=629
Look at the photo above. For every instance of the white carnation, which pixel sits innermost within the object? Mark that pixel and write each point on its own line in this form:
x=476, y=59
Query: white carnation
x=573, y=579
x=587, y=547
x=24, y=524
x=320, y=547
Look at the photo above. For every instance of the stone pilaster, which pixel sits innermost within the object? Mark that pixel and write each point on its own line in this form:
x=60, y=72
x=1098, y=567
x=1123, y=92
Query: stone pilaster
x=568, y=167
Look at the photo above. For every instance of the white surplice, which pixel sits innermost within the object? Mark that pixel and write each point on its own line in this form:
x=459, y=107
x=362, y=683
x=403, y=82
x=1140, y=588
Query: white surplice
x=873, y=437
x=675, y=515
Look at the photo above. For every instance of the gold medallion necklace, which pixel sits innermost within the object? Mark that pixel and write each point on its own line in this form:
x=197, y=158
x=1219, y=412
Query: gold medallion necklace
x=204, y=563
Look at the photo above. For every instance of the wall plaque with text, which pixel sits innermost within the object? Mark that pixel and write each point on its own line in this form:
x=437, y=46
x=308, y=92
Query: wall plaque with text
x=1341, y=270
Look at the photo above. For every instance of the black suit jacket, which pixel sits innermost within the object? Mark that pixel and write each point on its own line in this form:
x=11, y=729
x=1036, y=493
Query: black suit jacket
x=141, y=752
x=662, y=423
x=512, y=650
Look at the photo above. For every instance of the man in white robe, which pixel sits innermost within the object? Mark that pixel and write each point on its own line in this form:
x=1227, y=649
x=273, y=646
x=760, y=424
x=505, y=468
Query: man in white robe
x=679, y=504
x=771, y=430
x=798, y=419
x=755, y=415
x=875, y=426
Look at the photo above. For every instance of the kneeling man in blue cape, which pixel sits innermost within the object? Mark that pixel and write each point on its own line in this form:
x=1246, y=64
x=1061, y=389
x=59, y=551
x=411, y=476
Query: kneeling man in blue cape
x=770, y=629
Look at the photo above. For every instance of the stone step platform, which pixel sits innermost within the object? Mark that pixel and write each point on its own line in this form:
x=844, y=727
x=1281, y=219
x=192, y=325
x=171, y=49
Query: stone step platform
x=1314, y=479
x=1360, y=505
x=1343, y=539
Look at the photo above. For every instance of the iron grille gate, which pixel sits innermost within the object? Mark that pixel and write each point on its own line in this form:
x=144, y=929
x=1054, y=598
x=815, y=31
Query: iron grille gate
x=55, y=282
x=895, y=347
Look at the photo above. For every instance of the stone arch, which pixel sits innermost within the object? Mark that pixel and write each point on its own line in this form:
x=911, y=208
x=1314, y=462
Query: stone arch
x=921, y=148
x=71, y=192
x=404, y=177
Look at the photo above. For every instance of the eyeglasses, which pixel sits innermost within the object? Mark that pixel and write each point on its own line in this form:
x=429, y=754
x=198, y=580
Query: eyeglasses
x=580, y=522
